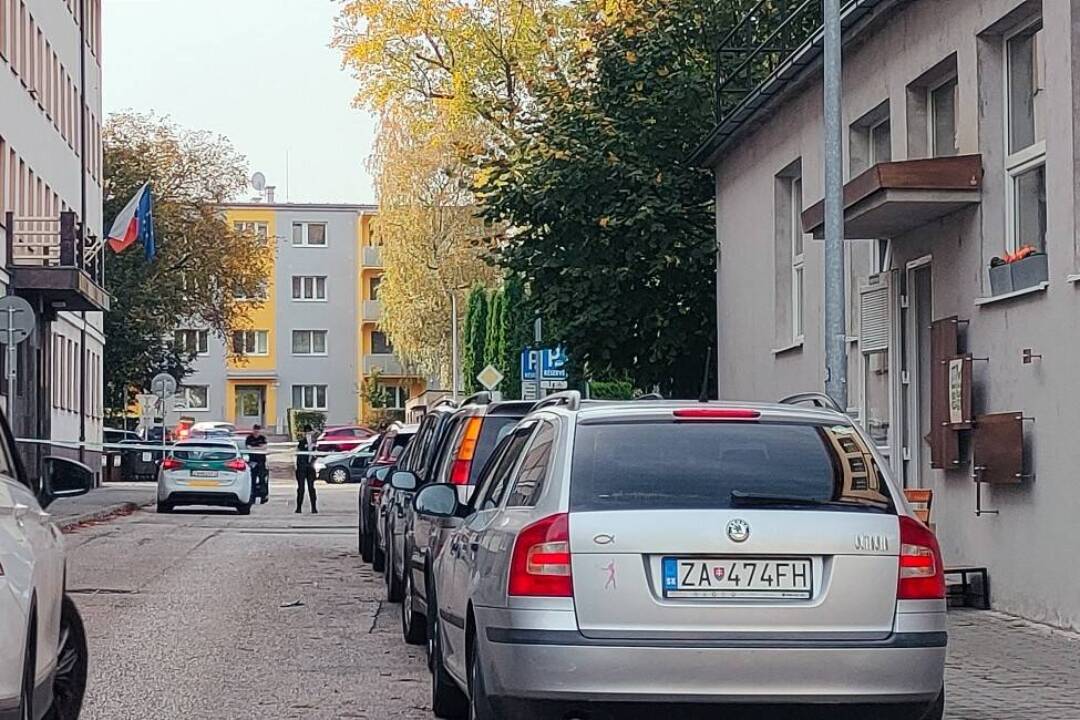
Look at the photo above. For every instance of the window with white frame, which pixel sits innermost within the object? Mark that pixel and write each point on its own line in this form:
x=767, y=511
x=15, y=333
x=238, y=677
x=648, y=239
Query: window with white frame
x=1025, y=138
x=193, y=342
x=195, y=397
x=309, y=234
x=309, y=288
x=941, y=105
x=260, y=230
x=309, y=342
x=798, y=261
x=261, y=293
x=396, y=396
x=309, y=397
x=251, y=342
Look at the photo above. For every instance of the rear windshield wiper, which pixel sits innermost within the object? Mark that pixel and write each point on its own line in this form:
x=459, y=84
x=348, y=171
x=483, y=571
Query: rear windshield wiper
x=747, y=499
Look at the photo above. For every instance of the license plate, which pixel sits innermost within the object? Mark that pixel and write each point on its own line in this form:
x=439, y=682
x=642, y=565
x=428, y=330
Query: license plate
x=204, y=473
x=734, y=578
x=147, y=457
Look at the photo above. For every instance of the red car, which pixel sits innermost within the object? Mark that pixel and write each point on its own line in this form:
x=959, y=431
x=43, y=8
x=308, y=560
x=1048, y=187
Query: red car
x=343, y=438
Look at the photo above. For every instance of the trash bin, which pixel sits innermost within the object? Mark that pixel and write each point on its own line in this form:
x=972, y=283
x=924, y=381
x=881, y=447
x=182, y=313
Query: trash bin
x=139, y=464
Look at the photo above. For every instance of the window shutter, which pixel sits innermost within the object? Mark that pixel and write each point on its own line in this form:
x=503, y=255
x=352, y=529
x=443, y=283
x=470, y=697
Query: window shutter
x=875, y=314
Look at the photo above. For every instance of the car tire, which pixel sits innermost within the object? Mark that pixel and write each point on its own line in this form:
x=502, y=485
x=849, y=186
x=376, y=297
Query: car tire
x=164, y=507
x=413, y=624
x=937, y=710
x=338, y=476
x=447, y=699
x=244, y=509
x=73, y=660
x=378, y=557
x=479, y=703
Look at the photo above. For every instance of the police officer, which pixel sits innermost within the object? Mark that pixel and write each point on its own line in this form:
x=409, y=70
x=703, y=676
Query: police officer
x=305, y=470
x=255, y=442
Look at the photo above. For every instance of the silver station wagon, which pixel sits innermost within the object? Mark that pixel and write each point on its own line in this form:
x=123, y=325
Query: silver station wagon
x=703, y=556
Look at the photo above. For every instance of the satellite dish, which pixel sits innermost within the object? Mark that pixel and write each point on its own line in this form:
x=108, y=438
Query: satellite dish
x=258, y=181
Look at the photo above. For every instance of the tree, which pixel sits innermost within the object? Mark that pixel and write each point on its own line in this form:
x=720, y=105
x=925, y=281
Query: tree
x=607, y=215
x=519, y=334
x=201, y=265
x=495, y=344
x=475, y=337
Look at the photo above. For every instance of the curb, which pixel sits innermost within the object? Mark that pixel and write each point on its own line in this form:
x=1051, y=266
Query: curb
x=107, y=513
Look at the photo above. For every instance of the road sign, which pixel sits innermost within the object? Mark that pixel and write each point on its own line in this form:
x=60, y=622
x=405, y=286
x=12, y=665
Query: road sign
x=553, y=364
x=163, y=385
x=553, y=384
x=528, y=365
x=16, y=319
x=490, y=377
x=530, y=391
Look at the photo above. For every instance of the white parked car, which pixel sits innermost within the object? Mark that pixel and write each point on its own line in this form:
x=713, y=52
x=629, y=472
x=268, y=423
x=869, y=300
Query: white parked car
x=205, y=472
x=43, y=657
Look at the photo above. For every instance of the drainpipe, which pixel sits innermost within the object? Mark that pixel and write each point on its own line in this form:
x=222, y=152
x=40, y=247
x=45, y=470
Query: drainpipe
x=82, y=216
x=835, y=308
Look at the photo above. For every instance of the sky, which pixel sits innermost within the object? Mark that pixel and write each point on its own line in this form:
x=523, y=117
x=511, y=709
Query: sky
x=260, y=72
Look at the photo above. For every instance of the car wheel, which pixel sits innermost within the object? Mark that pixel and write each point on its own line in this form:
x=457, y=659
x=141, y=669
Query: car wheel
x=937, y=710
x=244, y=509
x=479, y=702
x=339, y=476
x=69, y=683
x=164, y=508
x=447, y=700
x=413, y=624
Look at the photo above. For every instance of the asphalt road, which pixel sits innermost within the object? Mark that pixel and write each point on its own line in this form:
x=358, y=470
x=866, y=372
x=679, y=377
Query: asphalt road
x=206, y=614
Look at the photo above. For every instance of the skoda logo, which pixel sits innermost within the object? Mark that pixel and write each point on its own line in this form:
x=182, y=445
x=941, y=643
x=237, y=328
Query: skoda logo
x=738, y=531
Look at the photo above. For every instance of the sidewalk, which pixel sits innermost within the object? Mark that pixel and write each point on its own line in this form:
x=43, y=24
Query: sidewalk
x=1004, y=668
x=102, y=502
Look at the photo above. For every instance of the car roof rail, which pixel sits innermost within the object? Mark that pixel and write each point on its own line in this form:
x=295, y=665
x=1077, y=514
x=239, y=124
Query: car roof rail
x=481, y=398
x=569, y=398
x=444, y=401
x=651, y=396
x=818, y=399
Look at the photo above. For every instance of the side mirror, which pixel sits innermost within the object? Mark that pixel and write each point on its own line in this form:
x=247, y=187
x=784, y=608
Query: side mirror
x=380, y=474
x=64, y=478
x=403, y=480
x=439, y=500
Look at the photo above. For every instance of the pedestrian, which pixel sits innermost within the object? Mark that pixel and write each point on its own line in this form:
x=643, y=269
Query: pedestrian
x=305, y=470
x=260, y=474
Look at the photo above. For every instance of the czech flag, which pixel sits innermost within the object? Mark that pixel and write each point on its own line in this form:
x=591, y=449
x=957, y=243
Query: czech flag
x=135, y=222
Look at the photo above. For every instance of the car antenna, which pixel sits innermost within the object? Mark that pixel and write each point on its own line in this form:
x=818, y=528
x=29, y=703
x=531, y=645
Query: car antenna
x=704, y=396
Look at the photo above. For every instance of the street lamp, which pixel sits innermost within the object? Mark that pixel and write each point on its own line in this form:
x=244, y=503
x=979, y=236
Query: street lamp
x=835, y=307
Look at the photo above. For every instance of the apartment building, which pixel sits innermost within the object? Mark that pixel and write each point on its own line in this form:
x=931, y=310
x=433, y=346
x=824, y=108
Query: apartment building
x=315, y=338
x=51, y=216
x=961, y=147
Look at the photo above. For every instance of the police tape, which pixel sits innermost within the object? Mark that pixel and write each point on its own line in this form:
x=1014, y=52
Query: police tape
x=279, y=449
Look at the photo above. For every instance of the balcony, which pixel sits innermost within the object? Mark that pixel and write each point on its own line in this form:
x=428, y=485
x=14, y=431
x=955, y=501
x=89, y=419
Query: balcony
x=371, y=311
x=51, y=264
x=372, y=256
x=387, y=365
x=891, y=199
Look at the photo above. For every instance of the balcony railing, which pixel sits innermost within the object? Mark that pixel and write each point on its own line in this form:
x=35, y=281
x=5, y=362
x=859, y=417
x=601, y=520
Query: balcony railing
x=52, y=256
x=372, y=256
x=384, y=365
x=371, y=311
x=759, y=44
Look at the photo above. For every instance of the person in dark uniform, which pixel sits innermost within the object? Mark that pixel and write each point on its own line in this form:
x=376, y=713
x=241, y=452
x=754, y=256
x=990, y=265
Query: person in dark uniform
x=255, y=442
x=305, y=471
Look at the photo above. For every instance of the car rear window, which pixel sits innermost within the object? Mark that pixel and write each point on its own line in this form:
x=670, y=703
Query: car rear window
x=205, y=454
x=707, y=465
x=492, y=430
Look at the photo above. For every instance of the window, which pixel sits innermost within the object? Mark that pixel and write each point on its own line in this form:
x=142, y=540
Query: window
x=309, y=234
x=194, y=342
x=870, y=140
x=259, y=229
x=309, y=342
x=309, y=397
x=308, y=288
x=380, y=344
x=1025, y=163
x=797, y=260
x=942, y=104
x=881, y=142
x=533, y=472
x=373, y=287
x=251, y=342
x=493, y=482
x=242, y=294
x=195, y=397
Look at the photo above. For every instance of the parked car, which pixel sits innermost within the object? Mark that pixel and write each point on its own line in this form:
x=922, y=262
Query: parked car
x=689, y=553
x=212, y=430
x=347, y=466
x=343, y=439
x=43, y=654
x=468, y=441
x=392, y=444
x=113, y=436
x=205, y=472
x=417, y=462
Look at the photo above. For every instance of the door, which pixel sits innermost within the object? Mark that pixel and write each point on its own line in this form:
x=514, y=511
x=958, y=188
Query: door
x=917, y=320
x=250, y=402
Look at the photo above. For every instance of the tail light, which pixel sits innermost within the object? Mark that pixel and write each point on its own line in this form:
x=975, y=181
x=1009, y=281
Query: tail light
x=376, y=495
x=171, y=463
x=459, y=471
x=236, y=464
x=707, y=413
x=540, y=565
x=922, y=573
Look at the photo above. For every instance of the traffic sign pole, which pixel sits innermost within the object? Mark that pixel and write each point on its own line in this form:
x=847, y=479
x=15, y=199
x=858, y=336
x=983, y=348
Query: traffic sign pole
x=19, y=319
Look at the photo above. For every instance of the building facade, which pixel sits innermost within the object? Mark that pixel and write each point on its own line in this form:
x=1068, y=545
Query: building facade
x=314, y=339
x=960, y=150
x=51, y=216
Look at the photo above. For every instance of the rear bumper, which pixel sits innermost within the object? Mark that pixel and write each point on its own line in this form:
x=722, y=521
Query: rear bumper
x=906, y=669
x=215, y=499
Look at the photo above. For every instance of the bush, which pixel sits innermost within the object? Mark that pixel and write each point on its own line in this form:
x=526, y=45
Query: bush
x=300, y=418
x=611, y=390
